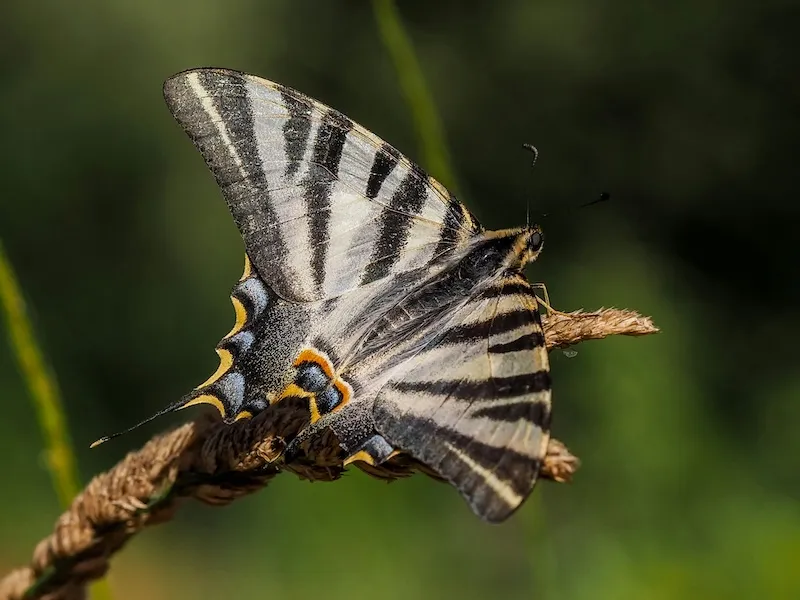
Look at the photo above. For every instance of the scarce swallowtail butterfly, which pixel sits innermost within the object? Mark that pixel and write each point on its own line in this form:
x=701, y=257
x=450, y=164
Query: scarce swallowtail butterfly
x=370, y=291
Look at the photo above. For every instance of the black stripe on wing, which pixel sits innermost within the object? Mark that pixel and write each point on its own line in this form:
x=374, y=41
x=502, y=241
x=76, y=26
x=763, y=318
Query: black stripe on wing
x=527, y=341
x=296, y=130
x=480, y=330
x=385, y=161
x=318, y=183
x=514, y=286
x=533, y=412
x=395, y=224
x=495, y=387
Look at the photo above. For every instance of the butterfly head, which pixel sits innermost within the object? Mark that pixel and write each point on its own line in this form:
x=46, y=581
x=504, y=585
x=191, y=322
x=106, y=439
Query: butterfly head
x=533, y=240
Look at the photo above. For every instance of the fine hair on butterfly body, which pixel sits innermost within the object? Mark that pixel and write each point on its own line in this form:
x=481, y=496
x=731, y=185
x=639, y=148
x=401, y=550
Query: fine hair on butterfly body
x=370, y=292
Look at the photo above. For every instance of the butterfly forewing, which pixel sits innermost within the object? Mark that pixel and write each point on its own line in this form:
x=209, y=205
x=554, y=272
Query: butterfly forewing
x=323, y=205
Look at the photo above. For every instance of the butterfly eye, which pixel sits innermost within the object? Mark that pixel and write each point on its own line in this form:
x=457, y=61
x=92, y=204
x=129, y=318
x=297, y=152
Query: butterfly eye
x=535, y=241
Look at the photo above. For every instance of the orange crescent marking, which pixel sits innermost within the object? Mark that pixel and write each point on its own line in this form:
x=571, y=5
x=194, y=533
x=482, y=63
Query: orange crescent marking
x=360, y=456
x=294, y=390
x=346, y=391
x=225, y=362
x=206, y=399
x=311, y=355
x=248, y=268
x=241, y=317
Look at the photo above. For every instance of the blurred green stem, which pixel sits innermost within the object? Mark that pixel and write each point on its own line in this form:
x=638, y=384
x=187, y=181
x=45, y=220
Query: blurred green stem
x=430, y=133
x=60, y=457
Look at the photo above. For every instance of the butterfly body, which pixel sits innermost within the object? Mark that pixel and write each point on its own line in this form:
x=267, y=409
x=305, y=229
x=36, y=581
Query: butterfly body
x=370, y=292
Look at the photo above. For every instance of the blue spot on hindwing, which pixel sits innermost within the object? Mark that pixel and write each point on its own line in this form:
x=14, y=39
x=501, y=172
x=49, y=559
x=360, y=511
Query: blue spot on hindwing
x=311, y=377
x=328, y=399
x=255, y=292
x=242, y=341
x=230, y=387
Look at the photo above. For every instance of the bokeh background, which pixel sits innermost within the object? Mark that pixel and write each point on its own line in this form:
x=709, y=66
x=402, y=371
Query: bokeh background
x=687, y=112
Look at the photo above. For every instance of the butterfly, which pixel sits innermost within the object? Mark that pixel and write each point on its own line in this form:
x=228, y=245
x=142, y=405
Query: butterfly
x=370, y=292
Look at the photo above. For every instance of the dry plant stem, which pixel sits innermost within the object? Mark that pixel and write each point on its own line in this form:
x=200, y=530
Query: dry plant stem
x=567, y=329
x=217, y=463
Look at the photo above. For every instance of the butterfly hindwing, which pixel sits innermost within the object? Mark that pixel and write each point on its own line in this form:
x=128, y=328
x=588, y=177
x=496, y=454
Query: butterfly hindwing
x=323, y=205
x=475, y=405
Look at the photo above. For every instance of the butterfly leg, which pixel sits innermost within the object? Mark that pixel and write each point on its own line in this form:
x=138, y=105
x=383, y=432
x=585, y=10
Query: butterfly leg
x=543, y=301
x=550, y=310
x=546, y=300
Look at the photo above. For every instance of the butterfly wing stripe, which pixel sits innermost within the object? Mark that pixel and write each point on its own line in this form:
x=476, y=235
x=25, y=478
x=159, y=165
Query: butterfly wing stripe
x=534, y=412
x=496, y=387
x=352, y=175
x=348, y=244
x=472, y=419
x=515, y=286
x=296, y=130
x=354, y=234
x=394, y=225
x=419, y=249
x=510, y=321
x=529, y=418
x=319, y=182
x=528, y=341
x=468, y=362
x=359, y=163
x=482, y=453
x=503, y=489
x=386, y=159
x=353, y=239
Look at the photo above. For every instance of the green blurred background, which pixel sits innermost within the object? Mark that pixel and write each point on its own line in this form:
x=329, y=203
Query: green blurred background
x=687, y=112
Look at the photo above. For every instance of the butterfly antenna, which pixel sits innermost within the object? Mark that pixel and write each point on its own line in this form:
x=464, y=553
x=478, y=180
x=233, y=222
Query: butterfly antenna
x=528, y=213
x=171, y=408
x=604, y=197
x=535, y=152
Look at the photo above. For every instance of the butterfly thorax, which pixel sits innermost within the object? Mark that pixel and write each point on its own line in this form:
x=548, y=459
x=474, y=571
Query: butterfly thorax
x=515, y=248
